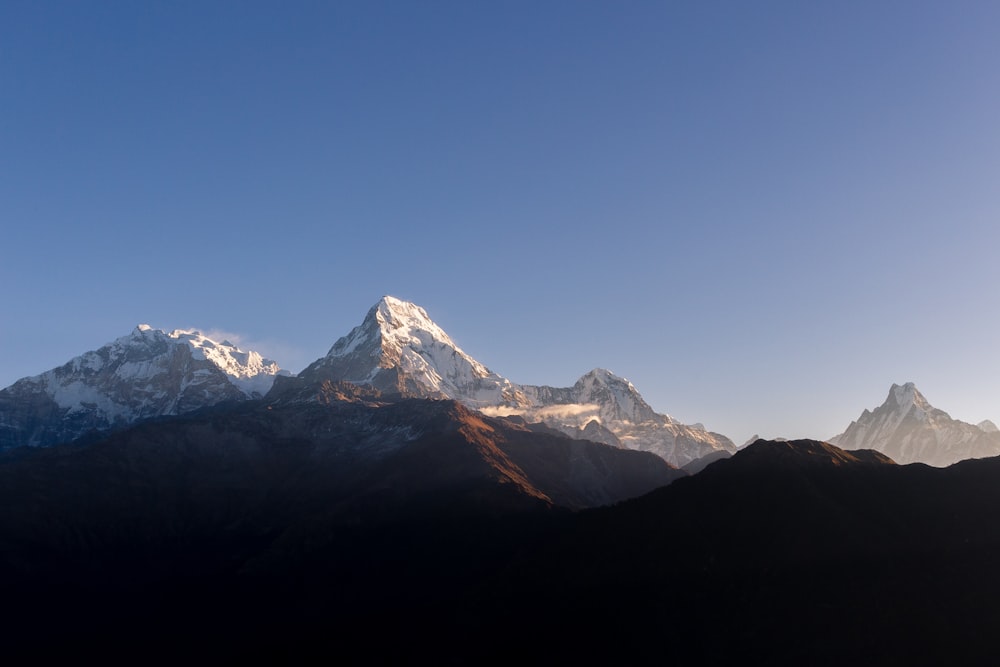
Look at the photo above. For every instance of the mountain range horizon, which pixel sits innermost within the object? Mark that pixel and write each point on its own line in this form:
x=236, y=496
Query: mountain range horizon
x=398, y=347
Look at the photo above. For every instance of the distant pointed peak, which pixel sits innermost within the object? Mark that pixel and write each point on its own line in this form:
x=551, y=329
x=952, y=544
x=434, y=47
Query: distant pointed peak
x=905, y=394
x=392, y=302
x=603, y=376
x=903, y=399
x=394, y=324
x=393, y=313
x=142, y=334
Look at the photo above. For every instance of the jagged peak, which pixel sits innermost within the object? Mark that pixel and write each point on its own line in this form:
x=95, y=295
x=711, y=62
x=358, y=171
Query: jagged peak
x=393, y=306
x=630, y=403
x=247, y=370
x=604, y=376
x=395, y=323
x=903, y=393
x=398, y=345
x=193, y=338
x=906, y=396
x=395, y=314
x=142, y=333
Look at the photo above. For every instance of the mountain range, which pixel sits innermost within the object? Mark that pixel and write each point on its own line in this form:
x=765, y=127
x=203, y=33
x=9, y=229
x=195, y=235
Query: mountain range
x=171, y=498
x=400, y=352
x=397, y=350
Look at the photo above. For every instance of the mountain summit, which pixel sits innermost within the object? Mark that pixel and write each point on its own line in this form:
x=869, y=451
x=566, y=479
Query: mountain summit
x=601, y=399
x=399, y=350
x=908, y=429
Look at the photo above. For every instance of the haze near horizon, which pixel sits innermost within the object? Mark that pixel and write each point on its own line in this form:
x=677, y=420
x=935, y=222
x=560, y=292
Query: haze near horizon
x=761, y=215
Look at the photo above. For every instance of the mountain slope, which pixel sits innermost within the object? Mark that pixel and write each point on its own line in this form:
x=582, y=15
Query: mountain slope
x=908, y=429
x=149, y=373
x=787, y=553
x=348, y=458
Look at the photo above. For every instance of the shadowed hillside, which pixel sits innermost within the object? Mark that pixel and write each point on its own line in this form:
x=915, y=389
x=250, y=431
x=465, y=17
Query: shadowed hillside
x=787, y=553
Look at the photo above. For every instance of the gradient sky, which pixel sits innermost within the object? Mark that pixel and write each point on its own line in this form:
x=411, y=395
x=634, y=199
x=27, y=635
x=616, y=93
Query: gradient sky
x=761, y=213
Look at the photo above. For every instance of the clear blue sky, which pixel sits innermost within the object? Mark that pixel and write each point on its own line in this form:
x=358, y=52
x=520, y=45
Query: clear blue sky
x=762, y=213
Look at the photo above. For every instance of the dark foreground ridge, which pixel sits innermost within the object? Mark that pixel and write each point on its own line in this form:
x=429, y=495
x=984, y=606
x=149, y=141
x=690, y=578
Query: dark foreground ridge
x=153, y=546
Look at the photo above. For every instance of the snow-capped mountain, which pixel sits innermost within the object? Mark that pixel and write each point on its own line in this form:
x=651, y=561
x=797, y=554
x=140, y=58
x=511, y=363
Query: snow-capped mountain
x=600, y=397
x=398, y=349
x=148, y=373
x=908, y=429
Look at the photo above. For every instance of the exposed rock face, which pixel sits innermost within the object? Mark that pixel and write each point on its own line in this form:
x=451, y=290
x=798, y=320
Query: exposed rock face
x=908, y=429
x=146, y=374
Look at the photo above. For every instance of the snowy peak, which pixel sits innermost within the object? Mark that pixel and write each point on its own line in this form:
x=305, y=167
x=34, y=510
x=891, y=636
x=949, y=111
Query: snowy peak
x=602, y=376
x=247, y=370
x=906, y=397
x=905, y=401
x=603, y=387
x=398, y=319
x=393, y=326
x=398, y=349
x=616, y=405
x=905, y=394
